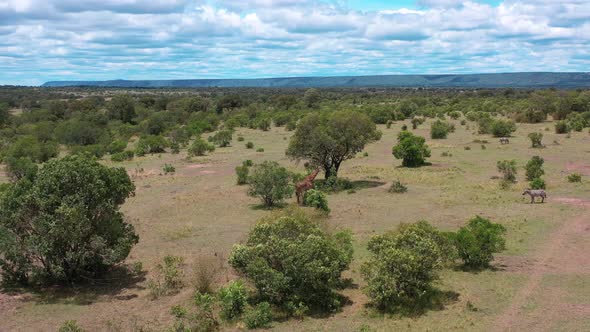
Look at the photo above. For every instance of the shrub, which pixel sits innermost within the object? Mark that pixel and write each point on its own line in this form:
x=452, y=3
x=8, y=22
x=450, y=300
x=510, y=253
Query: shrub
x=404, y=127
x=247, y=163
x=94, y=150
x=122, y=156
x=440, y=129
x=403, y=264
x=536, y=140
x=222, y=138
x=270, y=182
x=66, y=223
x=292, y=262
x=478, y=241
x=260, y=150
x=201, y=319
x=249, y=145
x=168, y=277
x=574, y=177
x=233, y=299
x=168, y=168
x=562, y=127
x=258, y=317
x=240, y=138
x=70, y=326
x=508, y=170
x=117, y=146
x=388, y=124
x=502, y=128
x=205, y=271
x=199, y=147
x=263, y=124
x=20, y=168
x=334, y=184
x=397, y=187
x=242, y=174
x=534, y=168
x=291, y=125
x=317, y=199
x=537, y=183
x=151, y=144
x=411, y=149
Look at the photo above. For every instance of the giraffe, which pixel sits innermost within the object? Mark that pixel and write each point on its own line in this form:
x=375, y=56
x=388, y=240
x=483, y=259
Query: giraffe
x=305, y=185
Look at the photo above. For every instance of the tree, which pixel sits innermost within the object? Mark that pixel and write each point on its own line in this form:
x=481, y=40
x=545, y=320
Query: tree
x=534, y=168
x=151, y=144
x=502, y=128
x=66, y=223
x=229, y=102
x=122, y=107
x=327, y=140
x=4, y=114
x=293, y=263
x=270, y=182
x=478, y=241
x=30, y=147
x=508, y=170
x=199, y=147
x=536, y=140
x=411, y=149
x=223, y=138
x=440, y=129
x=312, y=97
x=562, y=127
x=403, y=264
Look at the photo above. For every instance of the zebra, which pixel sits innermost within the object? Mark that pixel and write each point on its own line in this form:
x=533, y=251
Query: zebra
x=504, y=140
x=536, y=193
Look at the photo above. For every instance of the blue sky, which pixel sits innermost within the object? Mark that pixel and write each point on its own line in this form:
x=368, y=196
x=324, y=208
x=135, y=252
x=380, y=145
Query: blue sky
x=42, y=40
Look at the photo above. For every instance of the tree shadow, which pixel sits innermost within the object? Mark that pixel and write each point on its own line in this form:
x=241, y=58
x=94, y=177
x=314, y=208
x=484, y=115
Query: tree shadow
x=434, y=300
x=366, y=184
x=87, y=291
x=261, y=206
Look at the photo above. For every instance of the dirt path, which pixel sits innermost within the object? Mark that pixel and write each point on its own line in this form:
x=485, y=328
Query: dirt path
x=556, y=257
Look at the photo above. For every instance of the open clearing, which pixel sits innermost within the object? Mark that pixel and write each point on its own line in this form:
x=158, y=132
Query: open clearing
x=540, y=283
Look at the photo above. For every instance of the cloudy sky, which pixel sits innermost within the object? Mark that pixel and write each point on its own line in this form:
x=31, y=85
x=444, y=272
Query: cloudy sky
x=43, y=40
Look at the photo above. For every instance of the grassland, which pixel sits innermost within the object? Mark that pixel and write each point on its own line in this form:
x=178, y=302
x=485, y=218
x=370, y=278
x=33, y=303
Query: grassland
x=539, y=283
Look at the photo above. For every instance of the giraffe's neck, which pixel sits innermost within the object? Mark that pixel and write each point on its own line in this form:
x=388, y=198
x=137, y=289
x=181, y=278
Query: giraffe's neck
x=312, y=176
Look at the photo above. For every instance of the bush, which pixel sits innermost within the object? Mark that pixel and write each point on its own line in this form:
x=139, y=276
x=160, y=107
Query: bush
x=201, y=319
x=259, y=316
x=440, y=129
x=94, y=150
x=199, y=147
x=168, y=278
x=293, y=263
x=70, y=326
x=478, y=241
x=403, y=265
x=242, y=173
x=291, y=125
x=233, y=299
x=20, y=168
x=205, y=271
x=247, y=163
x=241, y=138
x=66, y=223
x=151, y=144
x=388, y=124
x=508, y=170
x=223, y=138
x=411, y=149
x=317, y=199
x=562, y=127
x=536, y=140
x=249, y=145
x=123, y=156
x=534, y=168
x=168, y=168
x=334, y=184
x=270, y=182
x=117, y=146
x=260, y=150
x=416, y=121
x=537, y=183
x=574, y=177
x=502, y=128
x=397, y=187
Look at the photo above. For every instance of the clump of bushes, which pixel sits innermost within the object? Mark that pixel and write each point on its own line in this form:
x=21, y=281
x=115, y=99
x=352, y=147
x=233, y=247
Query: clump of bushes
x=477, y=242
x=168, y=168
x=242, y=173
x=249, y=145
x=260, y=150
x=397, y=187
x=122, y=156
x=441, y=129
x=293, y=263
x=538, y=183
x=150, y=144
x=508, y=170
x=259, y=316
x=70, y=326
x=270, y=182
x=201, y=318
x=241, y=138
x=317, y=199
x=199, y=147
x=411, y=149
x=233, y=298
x=503, y=128
x=168, y=278
x=222, y=138
x=403, y=265
x=534, y=168
x=562, y=127
x=574, y=177
x=536, y=140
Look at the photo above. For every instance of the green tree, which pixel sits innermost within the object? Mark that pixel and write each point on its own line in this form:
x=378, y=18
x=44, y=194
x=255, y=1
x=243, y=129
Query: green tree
x=293, y=263
x=508, y=170
x=199, y=147
x=233, y=298
x=411, y=149
x=478, y=241
x=151, y=144
x=534, y=168
x=327, y=140
x=440, y=129
x=223, y=138
x=122, y=107
x=562, y=127
x=312, y=97
x=270, y=182
x=536, y=140
x=4, y=114
x=502, y=128
x=403, y=264
x=66, y=223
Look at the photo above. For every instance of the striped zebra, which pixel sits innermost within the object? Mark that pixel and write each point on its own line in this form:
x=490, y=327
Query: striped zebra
x=536, y=193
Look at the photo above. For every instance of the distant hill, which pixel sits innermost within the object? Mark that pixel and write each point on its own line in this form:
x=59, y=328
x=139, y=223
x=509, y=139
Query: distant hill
x=514, y=80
